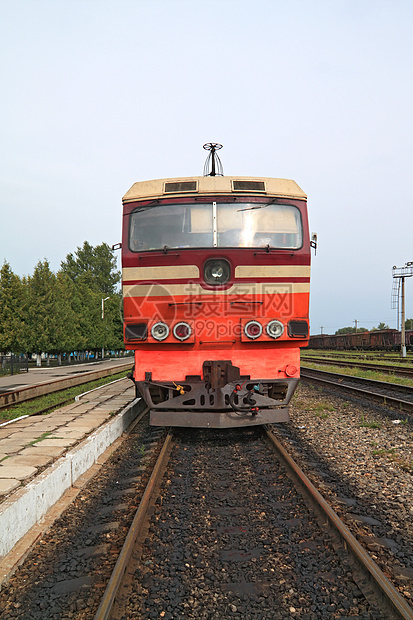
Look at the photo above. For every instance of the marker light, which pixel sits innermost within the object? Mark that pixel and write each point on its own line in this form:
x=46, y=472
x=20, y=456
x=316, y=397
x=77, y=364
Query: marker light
x=298, y=329
x=275, y=329
x=136, y=331
x=253, y=329
x=160, y=331
x=182, y=331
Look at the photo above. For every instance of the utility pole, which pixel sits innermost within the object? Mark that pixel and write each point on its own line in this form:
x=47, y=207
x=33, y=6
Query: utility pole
x=322, y=327
x=103, y=316
x=356, y=321
x=403, y=334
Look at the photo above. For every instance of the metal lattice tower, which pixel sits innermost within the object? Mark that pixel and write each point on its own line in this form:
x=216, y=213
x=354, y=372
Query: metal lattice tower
x=395, y=298
x=399, y=276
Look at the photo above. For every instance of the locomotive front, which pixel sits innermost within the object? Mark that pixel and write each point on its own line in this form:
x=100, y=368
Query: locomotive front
x=216, y=280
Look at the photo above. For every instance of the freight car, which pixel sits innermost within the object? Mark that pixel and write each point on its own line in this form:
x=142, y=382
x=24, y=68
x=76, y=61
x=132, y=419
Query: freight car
x=216, y=281
x=379, y=340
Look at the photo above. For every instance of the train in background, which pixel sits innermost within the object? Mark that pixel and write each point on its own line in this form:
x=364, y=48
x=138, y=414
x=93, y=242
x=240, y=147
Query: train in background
x=216, y=283
x=378, y=340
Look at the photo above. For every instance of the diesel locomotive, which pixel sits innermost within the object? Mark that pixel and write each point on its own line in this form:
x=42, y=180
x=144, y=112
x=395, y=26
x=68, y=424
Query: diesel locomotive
x=216, y=282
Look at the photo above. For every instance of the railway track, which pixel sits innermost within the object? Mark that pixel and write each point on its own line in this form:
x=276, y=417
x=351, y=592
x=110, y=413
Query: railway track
x=29, y=392
x=403, y=371
x=359, y=354
x=66, y=570
x=396, y=396
x=230, y=536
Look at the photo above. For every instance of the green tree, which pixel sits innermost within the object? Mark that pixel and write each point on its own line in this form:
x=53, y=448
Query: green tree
x=13, y=306
x=86, y=304
x=408, y=324
x=113, y=322
x=40, y=315
x=65, y=326
x=99, y=261
x=350, y=330
x=95, y=277
x=380, y=327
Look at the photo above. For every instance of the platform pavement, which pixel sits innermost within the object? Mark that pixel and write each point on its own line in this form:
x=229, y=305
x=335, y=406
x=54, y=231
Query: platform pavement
x=30, y=444
x=45, y=374
x=42, y=457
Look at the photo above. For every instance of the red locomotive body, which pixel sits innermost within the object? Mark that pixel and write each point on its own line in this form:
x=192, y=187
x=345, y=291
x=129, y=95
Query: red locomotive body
x=216, y=277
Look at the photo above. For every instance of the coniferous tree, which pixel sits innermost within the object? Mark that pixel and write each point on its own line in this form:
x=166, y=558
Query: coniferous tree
x=40, y=315
x=58, y=313
x=12, y=311
x=66, y=335
x=94, y=274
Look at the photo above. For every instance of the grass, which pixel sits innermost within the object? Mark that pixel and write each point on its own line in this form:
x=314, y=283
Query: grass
x=140, y=449
x=43, y=436
x=376, y=357
x=385, y=452
x=54, y=400
x=364, y=374
x=321, y=407
x=390, y=453
x=366, y=424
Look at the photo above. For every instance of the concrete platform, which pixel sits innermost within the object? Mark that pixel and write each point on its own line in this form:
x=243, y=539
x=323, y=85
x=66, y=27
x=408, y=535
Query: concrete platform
x=45, y=374
x=43, y=456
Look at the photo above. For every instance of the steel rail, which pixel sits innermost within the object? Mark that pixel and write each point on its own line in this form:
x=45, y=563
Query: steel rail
x=377, y=582
x=402, y=371
x=109, y=596
x=336, y=380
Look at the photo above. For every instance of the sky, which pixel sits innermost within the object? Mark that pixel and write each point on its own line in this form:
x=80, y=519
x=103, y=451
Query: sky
x=98, y=94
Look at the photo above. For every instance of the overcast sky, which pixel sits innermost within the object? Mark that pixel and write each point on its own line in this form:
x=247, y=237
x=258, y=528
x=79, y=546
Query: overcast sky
x=98, y=94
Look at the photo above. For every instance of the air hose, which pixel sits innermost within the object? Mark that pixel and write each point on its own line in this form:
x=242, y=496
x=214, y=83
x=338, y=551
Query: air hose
x=249, y=402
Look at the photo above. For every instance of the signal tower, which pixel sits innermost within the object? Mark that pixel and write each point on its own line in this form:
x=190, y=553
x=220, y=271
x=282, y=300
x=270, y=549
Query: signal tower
x=399, y=276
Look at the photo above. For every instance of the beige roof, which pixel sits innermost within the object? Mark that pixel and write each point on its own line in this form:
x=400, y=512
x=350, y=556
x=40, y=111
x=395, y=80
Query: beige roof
x=283, y=188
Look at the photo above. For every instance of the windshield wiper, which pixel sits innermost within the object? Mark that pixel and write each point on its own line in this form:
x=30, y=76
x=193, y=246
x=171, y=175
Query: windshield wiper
x=258, y=206
x=149, y=206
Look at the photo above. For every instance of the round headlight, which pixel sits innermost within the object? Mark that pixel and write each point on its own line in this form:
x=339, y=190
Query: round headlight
x=217, y=271
x=253, y=329
x=275, y=329
x=182, y=331
x=160, y=331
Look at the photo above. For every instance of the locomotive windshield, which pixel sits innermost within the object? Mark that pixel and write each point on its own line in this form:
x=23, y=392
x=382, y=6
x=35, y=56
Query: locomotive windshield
x=240, y=224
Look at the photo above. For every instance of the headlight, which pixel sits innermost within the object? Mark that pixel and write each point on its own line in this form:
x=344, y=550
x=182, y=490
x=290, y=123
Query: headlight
x=160, y=331
x=182, y=331
x=253, y=329
x=217, y=271
x=275, y=329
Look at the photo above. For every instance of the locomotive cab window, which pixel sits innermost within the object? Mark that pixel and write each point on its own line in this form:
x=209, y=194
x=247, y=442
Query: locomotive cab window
x=173, y=226
x=237, y=224
x=259, y=225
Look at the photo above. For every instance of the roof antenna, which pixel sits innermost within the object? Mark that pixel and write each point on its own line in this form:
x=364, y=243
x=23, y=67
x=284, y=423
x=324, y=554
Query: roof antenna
x=214, y=160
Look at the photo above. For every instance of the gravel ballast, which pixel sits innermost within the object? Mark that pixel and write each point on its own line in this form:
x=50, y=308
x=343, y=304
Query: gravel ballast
x=360, y=457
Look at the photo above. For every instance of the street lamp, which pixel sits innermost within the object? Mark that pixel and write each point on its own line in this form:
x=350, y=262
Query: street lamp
x=103, y=316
